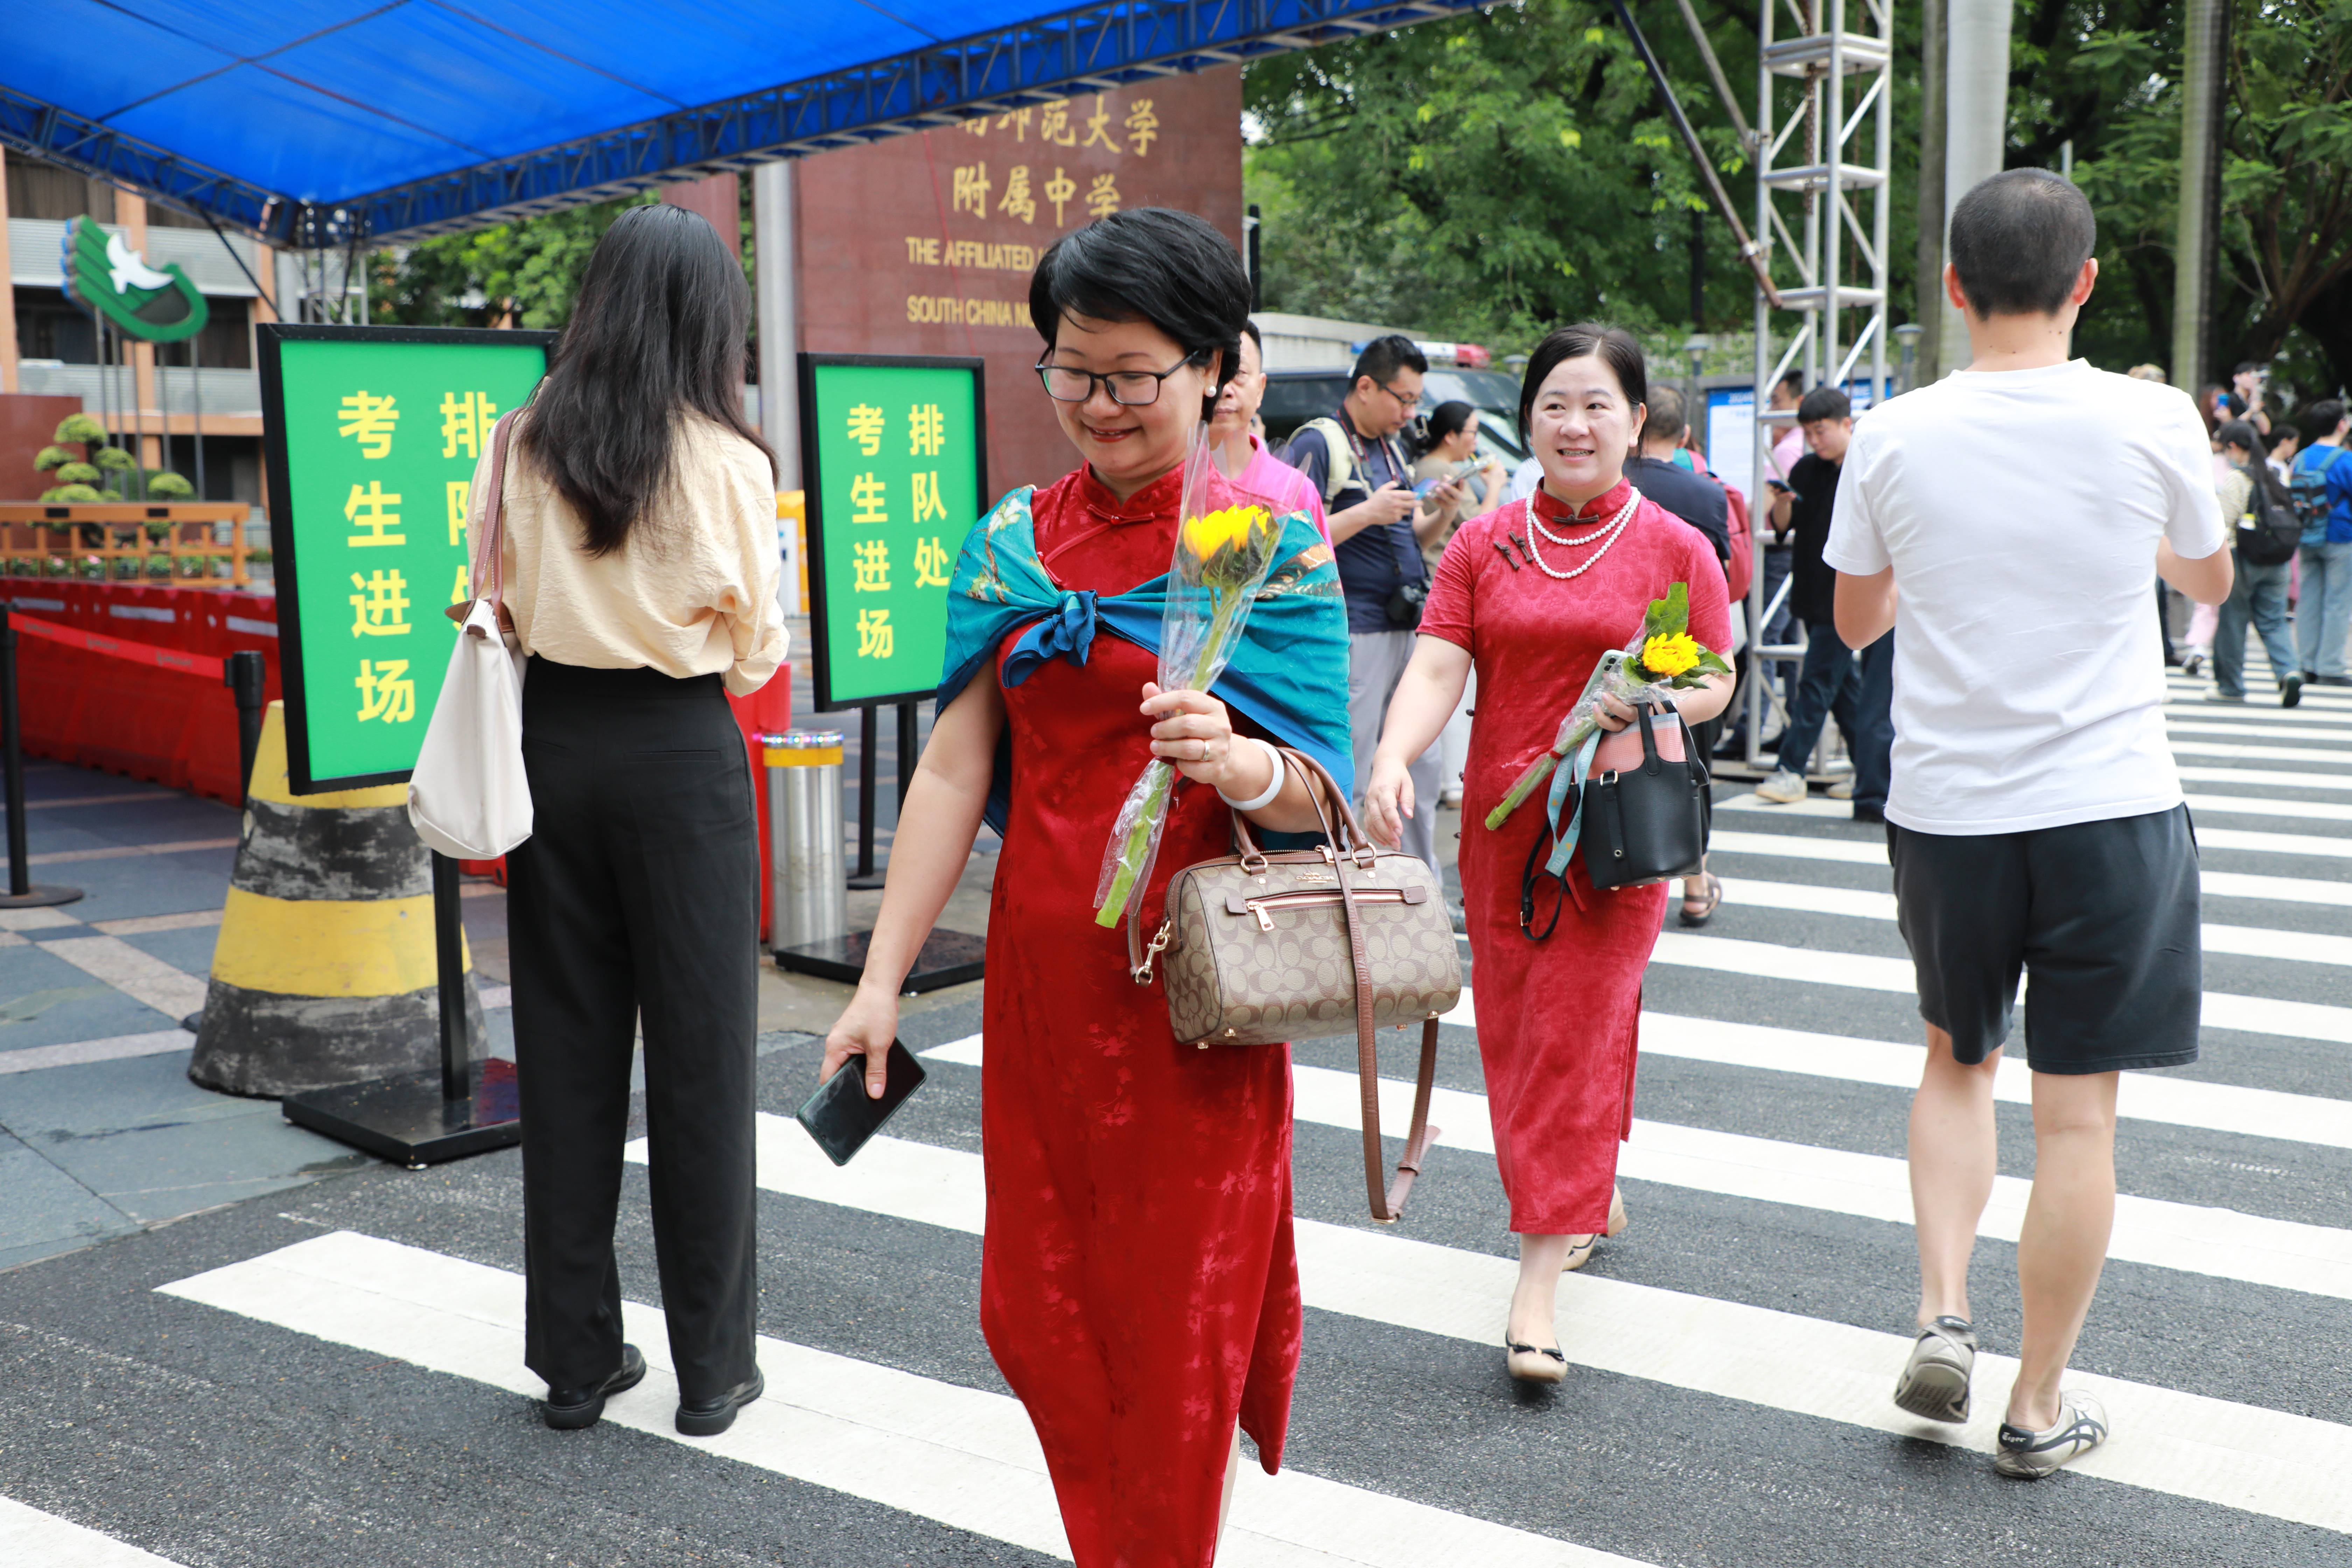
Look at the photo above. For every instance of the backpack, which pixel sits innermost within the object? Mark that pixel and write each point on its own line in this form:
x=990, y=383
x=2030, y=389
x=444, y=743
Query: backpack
x=1339, y=471
x=2307, y=488
x=2268, y=532
x=1741, y=568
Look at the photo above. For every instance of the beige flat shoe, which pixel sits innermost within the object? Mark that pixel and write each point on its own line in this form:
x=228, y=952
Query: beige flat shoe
x=1579, y=1247
x=1532, y=1363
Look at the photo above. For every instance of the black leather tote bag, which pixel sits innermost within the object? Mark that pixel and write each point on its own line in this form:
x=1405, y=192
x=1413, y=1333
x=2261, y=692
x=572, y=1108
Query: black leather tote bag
x=1649, y=824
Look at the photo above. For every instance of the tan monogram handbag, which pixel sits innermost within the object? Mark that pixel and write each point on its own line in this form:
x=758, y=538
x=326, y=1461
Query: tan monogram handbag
x=1304, y=945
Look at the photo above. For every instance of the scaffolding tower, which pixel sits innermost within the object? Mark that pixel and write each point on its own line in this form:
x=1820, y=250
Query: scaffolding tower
x=1814, y=155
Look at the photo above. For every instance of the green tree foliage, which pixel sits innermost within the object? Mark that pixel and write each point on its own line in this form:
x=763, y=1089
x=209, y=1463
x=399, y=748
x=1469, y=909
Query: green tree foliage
x=2106, y=76
x=528, y=271
x=1496, y=174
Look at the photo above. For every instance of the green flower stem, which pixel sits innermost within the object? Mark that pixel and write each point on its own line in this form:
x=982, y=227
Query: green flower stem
x=1535, y=775
x=1135, y=851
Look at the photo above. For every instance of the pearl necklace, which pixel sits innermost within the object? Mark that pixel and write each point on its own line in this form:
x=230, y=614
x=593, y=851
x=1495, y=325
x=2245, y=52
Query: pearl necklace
x=1611, y=529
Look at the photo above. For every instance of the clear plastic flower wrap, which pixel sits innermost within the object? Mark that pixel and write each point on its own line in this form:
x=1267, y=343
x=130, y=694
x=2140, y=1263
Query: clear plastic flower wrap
x=1661, y=659
x=1221, y=562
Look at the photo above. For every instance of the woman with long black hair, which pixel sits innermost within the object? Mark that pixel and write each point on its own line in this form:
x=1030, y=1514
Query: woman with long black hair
x=640, y=567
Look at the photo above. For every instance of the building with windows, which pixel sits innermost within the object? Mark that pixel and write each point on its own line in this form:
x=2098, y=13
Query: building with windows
x=162, y=394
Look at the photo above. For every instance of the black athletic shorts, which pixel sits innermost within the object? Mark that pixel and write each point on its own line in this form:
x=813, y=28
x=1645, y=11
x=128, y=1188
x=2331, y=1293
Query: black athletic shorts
x=2101, y=917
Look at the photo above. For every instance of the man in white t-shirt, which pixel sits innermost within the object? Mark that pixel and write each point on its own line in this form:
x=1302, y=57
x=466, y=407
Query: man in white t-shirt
x=2010, y=522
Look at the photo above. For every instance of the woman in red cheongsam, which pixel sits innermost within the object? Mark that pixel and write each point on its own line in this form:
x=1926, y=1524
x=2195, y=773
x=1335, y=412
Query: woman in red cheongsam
x=1557, y=1017
x=1138, y=1287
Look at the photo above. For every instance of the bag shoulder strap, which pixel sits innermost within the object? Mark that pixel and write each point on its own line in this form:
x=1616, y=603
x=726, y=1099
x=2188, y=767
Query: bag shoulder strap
x=490, y=563
x=1339, y=469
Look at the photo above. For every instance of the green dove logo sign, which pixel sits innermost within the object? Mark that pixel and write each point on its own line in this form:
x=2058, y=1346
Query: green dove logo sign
x=114, y=282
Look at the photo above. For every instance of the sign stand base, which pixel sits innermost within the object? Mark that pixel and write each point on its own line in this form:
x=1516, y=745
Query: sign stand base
x=949, y=958
x=420, y=1119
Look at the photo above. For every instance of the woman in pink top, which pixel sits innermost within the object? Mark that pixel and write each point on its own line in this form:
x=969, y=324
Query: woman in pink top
x=1242, y=454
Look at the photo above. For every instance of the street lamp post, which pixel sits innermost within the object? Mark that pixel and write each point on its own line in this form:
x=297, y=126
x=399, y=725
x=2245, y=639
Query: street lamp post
x=1696, y=346
x=1907, y=334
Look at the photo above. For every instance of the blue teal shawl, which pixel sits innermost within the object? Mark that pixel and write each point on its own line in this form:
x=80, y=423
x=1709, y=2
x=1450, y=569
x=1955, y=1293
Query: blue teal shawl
x=1288, y=674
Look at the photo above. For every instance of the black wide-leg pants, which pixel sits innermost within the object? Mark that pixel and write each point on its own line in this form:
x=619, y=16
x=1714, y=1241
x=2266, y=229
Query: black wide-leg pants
x=636, y=897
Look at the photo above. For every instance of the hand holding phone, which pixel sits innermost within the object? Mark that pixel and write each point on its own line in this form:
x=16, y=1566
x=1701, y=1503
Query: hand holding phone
x=841, y=1116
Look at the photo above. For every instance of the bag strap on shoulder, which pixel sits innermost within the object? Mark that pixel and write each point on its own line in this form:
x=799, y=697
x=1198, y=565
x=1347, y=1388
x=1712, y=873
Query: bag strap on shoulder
x=1339, y=468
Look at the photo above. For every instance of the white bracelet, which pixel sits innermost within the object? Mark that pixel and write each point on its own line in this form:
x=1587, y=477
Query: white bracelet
x=1265, y=797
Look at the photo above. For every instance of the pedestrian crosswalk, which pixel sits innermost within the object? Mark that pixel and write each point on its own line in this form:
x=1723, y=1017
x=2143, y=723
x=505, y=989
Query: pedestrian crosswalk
x=1732, y=1354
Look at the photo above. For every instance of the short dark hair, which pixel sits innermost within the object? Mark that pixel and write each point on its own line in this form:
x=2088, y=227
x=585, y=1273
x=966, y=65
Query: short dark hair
x=1148, y=264
x=2241, y=434
x=1794, y=378
x=1383, y=357
x=2018, y=242
x=1665, y=421
x=1824, y=402
x=2244, y=366
x=1249, y=329
x=2322, y=417
x=1616, y=347
x=1448, y=419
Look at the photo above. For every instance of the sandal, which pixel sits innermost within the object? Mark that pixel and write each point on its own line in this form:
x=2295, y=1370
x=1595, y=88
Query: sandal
x=1706, y=908
x=1533, y=1363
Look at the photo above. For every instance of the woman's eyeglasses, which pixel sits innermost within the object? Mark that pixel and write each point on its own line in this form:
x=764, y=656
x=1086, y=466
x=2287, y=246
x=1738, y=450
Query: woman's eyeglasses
x=1128, y=388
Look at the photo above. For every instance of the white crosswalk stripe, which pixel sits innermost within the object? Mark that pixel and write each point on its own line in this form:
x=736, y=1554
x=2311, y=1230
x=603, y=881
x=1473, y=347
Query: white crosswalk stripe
x=962, y=1457
x=35, y=1540
x=2243, y=1457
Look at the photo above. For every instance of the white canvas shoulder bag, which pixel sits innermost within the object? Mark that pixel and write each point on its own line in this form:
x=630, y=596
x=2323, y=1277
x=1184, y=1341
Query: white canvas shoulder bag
x=469, y=796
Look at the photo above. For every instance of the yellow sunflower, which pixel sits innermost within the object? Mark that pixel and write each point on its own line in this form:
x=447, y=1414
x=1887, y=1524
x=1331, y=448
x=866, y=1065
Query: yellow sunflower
x=1211, y=531
x=1670, y=656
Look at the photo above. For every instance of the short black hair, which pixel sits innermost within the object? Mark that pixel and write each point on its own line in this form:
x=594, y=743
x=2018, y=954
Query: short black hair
x=1148, y=264
x=2240, y=434
x=2322, y=417
x=1794, y=379
x=2245, y=367
x=1824, y=402
x=1448, y=419
x=1383, y=357
x=1617, y=348
x=2018, y=242
x=1665, y=421
x=1249, y=329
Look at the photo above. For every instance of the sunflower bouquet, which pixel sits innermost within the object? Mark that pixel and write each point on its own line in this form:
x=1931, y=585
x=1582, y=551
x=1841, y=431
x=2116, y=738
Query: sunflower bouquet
x=1663, y=657
x=1222, y=559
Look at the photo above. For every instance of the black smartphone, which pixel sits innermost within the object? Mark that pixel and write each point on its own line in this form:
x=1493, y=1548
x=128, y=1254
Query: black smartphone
x=841, y=1116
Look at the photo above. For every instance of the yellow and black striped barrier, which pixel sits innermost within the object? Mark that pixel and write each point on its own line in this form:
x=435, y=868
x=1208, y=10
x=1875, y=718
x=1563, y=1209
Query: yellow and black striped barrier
x=324, y=972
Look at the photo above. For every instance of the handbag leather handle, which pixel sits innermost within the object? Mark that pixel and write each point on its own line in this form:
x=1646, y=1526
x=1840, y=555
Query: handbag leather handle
x=489, y=561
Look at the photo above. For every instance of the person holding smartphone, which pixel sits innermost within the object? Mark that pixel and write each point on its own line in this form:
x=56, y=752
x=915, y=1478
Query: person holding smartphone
x=1138, y=1285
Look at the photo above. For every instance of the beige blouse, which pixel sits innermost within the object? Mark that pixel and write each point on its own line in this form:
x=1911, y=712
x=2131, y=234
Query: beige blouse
x=692, y=593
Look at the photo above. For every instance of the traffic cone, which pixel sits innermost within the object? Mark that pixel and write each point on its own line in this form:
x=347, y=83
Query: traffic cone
x=324, y=971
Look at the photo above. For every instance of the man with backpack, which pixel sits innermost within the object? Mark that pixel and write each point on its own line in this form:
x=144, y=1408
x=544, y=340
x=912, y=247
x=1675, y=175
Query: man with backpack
x=2322, y=488
x=1378, y=528
x=2257, y=511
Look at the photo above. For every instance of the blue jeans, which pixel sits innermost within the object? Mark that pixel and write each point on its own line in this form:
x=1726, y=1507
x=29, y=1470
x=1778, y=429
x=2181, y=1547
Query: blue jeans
x=2323, y=619
x=2259, y=594
x=1873, y=718
x=1828, y=684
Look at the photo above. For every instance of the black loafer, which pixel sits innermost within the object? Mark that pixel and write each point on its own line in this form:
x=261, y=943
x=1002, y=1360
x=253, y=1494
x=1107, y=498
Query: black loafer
x=709, y=1417
x=570, y=1409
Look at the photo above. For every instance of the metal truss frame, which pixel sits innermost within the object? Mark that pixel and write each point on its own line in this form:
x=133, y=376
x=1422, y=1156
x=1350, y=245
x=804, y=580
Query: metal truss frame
x=1091, y=48
x=1845, y=79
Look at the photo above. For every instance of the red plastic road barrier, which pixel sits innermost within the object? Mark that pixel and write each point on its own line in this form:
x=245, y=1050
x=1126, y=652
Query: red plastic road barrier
x=163, y=720
x=115, y=647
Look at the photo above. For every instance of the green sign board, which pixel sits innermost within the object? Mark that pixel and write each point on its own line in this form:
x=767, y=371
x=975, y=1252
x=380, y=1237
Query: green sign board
x=894, y=455
x=372, y=435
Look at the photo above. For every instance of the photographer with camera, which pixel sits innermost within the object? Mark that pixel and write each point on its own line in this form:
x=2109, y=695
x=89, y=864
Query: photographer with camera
x=1379, y=526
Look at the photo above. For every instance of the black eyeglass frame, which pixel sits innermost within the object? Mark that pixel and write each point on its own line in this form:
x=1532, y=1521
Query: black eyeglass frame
x=1102, y=378
x=1411, y=406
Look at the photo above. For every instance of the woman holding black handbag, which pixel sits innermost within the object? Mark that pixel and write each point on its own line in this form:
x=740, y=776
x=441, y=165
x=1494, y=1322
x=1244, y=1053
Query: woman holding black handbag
x=1533, y=596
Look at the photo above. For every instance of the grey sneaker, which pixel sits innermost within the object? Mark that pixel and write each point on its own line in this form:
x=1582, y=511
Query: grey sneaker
x=1783, y=788
x=1935, y=1383
x=2030, y=1456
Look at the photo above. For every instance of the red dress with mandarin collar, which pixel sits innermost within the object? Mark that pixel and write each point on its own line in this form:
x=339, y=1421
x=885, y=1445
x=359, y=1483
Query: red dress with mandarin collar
x=1139, y=1286
x=1556, y=1019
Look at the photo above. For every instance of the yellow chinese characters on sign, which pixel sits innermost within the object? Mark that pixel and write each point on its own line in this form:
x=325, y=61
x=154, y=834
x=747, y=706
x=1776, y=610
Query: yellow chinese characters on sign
x=874, y=636
x=868, y=502
x=972, y=187
x=380, y=607
x=386, y=692
x=930, y=563
x=369, y=420
x=465, y=421
x=873, y=567
x=369, y=509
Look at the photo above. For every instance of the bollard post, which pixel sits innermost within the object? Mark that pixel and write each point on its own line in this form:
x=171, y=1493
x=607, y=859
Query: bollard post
x=809, y=892
x=22, y=894
x=246, y=675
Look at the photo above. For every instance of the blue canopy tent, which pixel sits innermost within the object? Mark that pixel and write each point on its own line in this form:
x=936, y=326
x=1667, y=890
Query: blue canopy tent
x=324, y=123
